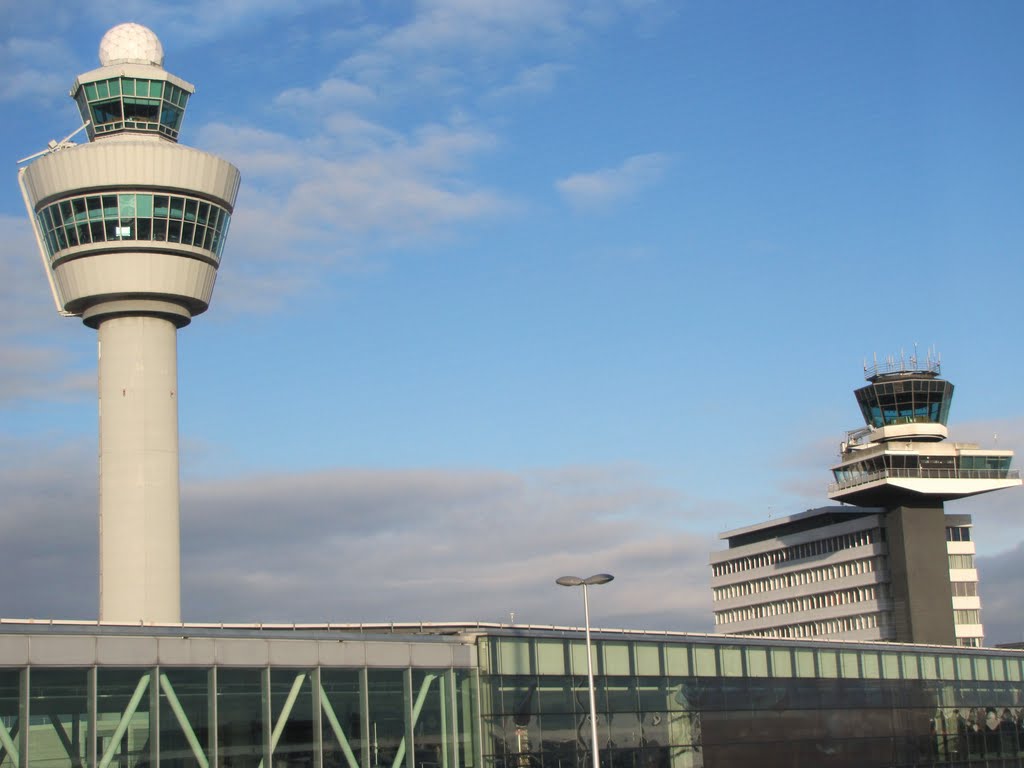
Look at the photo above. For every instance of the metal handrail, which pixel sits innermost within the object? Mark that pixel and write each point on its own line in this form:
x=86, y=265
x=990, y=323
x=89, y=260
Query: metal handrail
x=928, y=474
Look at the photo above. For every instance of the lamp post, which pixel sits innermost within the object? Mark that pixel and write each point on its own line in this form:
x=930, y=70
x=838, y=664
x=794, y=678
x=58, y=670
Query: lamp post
x=576, y=581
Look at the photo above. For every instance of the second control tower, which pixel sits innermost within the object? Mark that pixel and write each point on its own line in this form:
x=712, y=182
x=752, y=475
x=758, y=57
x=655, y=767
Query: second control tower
x=900, y=461
x=131, y=228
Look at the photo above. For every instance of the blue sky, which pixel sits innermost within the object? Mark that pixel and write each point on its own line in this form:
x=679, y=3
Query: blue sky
x=531, y=287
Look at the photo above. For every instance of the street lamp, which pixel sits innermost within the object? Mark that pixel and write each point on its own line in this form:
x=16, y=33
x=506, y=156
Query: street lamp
x=590, y=581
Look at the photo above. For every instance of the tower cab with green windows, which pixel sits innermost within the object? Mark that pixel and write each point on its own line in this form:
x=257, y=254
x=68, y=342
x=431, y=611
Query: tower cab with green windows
x=900, y=456
x=132, y=93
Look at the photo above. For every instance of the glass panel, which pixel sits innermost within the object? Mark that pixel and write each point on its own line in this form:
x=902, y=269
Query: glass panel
x=782, y=663
x=184, y=716
x=616, y=659
x=869, y=665
x=124, y=695
x=95, y=205
x=730, y=661
x=1013, y=671
x=757, y=662
x=239, y=718
x=115, y=87
x=910, y=666
x=177, y=207
x=432, y=749
x=827, y=664
x=550, y=657
x=963, y=668
x=128, y=86
x=190, y=209
x=513, y=656
x=291, y=711
x=929, y=668
x=804, y=663
x=144, y=204
x=110, y=206
x=387, y=703
x=340, y=717
x=946, y=668
x=890, y=666
x=203, y=215
x=981, y=671
x=174, y=231
x=126, y=206
x=10, y=714
x=677, y=659
x=56, y=698
x=160, y=205
x=648, y=658
x=704, y=661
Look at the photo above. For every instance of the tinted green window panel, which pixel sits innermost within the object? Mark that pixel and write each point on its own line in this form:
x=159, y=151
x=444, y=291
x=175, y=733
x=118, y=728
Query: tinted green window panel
x=677, y=659
x=890, y=666
x=144, y=205
x=115, y=87
x=964, y=668
x=981, y=669
x=730, y=661
x=61, y=697
x=827, y=664
x=616, y=659
x=647, y=658
x=90, y=91
x=869, y=665
x=704, y=662
x=102, y=91
x=514, y=656
x=577, y=648
x=1013, y=669
x=177, y=208
x=110, y=209
x=115, y=688
x=550, y=657
x=946, y=669
x=161, y=204
x=998, y=669
x=95, y=206
x=127, y=86
x=782, y=663
x=757, y=662
x=126, y=206
x=804, y=660
x=911, y=669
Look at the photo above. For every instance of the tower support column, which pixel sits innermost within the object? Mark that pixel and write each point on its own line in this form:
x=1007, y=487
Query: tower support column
x=138, y=469
x=919, y=575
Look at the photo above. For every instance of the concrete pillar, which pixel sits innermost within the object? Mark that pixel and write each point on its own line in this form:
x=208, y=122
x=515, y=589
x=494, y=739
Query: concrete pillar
x=919, y=574
x=138, y=406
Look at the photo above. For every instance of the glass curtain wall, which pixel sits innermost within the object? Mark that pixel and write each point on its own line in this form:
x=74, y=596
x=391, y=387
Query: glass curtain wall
x=198, y=717
x=683, y=705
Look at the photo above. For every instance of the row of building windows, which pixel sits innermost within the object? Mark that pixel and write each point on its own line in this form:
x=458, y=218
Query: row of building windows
x=133, y=216
x=825, y=626
x=964, y=588
x=914, y=465
x=960, y=562
x=809, y=576
x=799, y=604
x=972, y=616
x=800, y=551
x=129, y=103
x=958, y=534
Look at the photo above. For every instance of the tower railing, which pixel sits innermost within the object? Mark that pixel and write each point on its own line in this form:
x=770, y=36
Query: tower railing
x=925, y=474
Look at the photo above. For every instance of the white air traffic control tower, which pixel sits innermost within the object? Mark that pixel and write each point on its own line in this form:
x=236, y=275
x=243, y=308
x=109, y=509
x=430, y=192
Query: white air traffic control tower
x=131, y=227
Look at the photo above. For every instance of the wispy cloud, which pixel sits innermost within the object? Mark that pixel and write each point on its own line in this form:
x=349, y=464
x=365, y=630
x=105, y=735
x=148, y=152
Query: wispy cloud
x=602, y=188
x=351, y=545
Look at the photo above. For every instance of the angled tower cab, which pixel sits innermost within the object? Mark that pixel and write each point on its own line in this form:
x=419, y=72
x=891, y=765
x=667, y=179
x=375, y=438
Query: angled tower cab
x=893, y=565
x=131, y=228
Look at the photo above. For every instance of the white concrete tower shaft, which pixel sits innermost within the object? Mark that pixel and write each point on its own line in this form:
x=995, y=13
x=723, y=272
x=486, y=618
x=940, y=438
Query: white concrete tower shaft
x=131, y=228
x=138, y=416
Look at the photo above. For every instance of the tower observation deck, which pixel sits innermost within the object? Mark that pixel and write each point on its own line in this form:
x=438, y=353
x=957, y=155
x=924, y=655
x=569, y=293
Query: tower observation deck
x=900, y=455
x=131, y=227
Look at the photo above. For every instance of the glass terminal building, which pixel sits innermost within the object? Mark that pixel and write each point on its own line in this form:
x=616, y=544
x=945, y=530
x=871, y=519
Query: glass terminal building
x=493, y=696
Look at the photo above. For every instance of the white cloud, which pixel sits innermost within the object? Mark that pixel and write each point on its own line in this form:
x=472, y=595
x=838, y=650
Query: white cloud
x=352, y=545
x=602, y=188
x=329, y=94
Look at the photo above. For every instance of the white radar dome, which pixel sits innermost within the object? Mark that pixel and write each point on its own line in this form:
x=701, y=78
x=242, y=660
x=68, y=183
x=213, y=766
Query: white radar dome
x=131, y=44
